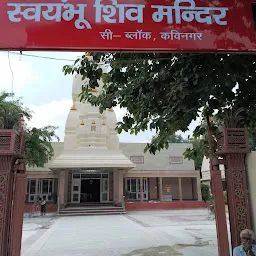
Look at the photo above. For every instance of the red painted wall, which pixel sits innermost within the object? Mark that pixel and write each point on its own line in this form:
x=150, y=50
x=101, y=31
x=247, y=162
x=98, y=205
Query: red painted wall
x=133, y=206
x=49, y=208
x=130, y=206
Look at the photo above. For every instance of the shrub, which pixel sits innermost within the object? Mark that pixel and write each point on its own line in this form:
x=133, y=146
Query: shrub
x=206, y=195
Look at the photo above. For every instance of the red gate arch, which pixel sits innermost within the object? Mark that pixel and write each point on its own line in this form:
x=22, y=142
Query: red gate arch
x=124, y=25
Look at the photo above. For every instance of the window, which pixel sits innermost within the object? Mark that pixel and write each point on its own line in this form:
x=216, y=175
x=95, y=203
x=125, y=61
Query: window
x=133, y=188
x=176, y=160
x=93, y=128
x=76, y=188
x=45, y=186
x=137, y=159
x=76, y=176
x=40, y=188
x=90, y=176
x=31, y=187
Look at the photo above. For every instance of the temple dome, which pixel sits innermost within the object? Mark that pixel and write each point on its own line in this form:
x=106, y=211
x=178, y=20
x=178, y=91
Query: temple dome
x=72, y=120
x=77, y=86
x=90, y=137
x=111, y=118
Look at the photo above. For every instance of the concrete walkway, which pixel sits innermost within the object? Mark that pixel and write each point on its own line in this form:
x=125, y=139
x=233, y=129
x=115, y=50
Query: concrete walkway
x=147, y=233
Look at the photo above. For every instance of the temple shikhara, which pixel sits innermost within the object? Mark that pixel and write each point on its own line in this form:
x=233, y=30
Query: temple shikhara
x=92, y=168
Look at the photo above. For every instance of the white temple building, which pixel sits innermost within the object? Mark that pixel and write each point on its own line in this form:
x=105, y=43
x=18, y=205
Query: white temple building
x=92, y=166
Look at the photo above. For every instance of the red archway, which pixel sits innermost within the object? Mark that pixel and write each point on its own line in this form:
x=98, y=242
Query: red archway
x=104, y=25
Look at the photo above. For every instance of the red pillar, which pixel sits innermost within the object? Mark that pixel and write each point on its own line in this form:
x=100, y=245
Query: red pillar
x=5, y=207
x=218, y=197
x=219, y=205
x=12, y=190
x=237, y=196
x=18, y=212
x=233, y=146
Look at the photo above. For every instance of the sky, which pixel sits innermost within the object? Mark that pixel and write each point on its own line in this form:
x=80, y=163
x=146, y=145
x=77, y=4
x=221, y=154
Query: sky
x=47, y=92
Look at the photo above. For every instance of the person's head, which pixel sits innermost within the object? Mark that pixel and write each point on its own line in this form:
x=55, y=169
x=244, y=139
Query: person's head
x=247, y=238
x=39, y=198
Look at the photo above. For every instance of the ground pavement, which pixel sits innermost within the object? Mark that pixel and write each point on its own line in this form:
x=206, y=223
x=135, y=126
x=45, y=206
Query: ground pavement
x=144, y=233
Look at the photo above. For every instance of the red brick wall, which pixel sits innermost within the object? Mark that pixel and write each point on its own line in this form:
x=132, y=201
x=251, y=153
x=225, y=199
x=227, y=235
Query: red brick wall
x=49, y=208
x=130, y=206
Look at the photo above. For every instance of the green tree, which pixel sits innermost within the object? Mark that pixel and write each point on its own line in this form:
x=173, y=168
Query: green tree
x=38, y=148
x=177, y=139
x=197, y=153
x=229, y=118
x=10, y=110
x=167, y=91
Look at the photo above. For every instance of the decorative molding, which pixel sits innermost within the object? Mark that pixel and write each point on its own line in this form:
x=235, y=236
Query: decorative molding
x=3, y=205
x=237, y=196
x=12, y=175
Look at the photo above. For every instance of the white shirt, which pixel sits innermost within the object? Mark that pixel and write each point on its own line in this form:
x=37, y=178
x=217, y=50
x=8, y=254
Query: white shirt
x=42, y=202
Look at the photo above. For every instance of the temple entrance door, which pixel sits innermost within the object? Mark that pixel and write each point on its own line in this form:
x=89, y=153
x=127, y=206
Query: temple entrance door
x=76, y=188
x=90, y=190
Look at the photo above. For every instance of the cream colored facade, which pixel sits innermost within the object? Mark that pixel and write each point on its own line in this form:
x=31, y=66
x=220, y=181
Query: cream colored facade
x=251, y=174
x=205, y=170
x=92, y=166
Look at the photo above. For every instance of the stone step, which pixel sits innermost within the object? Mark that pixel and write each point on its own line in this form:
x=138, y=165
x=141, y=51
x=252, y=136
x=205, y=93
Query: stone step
x=91, y=208
x=89, y=213
x=90, y=204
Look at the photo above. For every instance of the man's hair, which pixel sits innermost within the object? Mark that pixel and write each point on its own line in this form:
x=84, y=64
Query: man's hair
x=247, y=232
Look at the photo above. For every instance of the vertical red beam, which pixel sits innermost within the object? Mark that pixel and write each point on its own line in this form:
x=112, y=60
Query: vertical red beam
x=11, y=200
x=18, y=212
x=234, y=148
x=5, y=211
x=217, y=191
x=239, y=214
x=219, y=205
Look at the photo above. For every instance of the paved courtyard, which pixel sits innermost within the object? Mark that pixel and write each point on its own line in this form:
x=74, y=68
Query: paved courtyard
x=144, y=233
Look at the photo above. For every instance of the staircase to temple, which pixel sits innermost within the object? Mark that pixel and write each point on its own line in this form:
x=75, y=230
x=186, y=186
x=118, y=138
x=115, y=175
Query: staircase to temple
x=90, y=209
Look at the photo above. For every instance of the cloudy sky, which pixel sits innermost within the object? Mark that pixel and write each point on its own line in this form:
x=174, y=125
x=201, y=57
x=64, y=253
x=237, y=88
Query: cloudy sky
x=45, y=90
